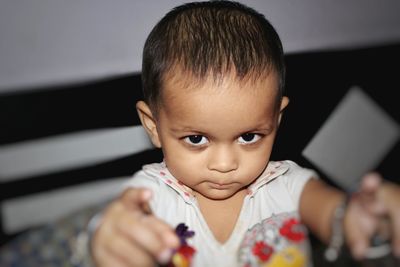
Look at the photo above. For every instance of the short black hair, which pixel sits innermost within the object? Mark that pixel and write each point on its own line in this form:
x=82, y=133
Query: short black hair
x=210, y=37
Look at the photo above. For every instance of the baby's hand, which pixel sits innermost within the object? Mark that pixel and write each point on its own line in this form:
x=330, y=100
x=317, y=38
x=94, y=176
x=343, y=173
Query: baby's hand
x=374, y=209
x=129, y=235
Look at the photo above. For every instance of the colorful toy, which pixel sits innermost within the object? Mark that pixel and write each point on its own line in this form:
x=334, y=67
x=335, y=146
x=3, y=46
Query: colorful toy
x=183, y=256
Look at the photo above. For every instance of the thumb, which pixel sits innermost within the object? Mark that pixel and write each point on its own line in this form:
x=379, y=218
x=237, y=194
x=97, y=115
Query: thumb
x=368, y=194
x=371, y=182
x=137, y=199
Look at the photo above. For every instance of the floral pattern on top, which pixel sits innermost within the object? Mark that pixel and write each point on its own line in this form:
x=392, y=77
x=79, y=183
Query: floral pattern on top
x=279, y=241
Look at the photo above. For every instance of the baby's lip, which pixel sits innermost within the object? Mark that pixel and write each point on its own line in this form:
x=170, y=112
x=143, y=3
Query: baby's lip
x=220, y=186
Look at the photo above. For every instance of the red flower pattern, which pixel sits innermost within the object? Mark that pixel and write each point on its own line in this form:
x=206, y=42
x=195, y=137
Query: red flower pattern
x=292, y=230
x=262, y=250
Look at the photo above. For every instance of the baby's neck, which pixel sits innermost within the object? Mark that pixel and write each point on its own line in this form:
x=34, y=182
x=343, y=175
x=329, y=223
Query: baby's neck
x=221, y=215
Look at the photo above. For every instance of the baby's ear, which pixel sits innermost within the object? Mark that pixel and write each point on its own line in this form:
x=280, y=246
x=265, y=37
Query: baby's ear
x=284, y=103
x=148, y=121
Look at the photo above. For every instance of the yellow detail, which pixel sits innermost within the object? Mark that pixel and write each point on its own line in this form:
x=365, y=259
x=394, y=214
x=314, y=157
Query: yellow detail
x=289, y=257
x=179, y=261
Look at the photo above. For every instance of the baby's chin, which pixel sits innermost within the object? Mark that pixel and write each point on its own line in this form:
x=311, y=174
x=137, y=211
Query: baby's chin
x=220, y=194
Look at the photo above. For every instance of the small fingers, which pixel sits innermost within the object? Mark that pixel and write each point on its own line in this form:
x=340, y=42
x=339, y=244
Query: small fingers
x=371, y=182
x=137, y=198
x=106, y=259
x=132, y=237
x=358, y=235
x=368, y=194
x=129, y=254
x=150, y=233
x=144, y=230
x=357, y=244
x=380, y=200
x=389, y=195
x=169, y=236
x=101, y=253
x=120, y=253
x=395, y=223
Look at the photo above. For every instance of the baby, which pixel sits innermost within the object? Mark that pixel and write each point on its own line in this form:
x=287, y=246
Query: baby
x=213, y=80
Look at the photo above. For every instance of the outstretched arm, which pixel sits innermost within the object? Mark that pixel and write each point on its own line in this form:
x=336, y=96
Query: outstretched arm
x=317, y=204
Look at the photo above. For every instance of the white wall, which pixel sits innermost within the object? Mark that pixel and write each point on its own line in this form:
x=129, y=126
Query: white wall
x=52, y=41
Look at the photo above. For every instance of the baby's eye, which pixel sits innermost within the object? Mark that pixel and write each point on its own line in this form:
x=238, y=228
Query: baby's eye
x=249, y=138
x=196, y=140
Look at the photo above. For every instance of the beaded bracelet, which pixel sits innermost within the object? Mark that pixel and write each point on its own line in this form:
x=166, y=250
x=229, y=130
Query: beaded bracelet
x=337, y=236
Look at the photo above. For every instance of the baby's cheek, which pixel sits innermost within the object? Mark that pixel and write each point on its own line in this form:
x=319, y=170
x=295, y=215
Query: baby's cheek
x=253, y=169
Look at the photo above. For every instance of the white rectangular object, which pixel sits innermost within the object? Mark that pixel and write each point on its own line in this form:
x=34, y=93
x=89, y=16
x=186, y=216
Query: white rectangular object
x=33, y=210
x=69, y=151
x=353, y=140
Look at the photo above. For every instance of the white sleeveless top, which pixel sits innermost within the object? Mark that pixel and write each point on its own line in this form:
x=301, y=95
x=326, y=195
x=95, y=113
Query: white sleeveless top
x=270, y=206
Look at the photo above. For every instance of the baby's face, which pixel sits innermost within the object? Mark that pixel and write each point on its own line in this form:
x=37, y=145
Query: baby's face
x=217, y=138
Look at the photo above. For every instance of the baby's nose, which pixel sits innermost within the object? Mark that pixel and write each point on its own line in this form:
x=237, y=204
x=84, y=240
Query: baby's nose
x=223, y=159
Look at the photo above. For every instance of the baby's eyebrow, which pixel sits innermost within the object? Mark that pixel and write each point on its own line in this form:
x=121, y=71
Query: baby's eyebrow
x=262, y=127
x=187, y=130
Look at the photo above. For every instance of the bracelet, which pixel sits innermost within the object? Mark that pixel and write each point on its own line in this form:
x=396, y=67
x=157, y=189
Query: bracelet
x=337, y=236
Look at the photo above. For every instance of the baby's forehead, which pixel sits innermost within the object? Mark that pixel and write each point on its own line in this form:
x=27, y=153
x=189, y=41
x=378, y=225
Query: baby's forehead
x=188, y=88
x=177, y=78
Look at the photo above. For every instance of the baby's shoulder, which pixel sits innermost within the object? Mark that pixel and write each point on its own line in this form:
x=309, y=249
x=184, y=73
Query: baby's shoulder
x=147, y=177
